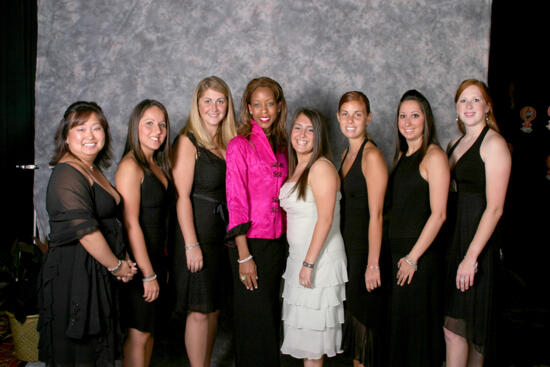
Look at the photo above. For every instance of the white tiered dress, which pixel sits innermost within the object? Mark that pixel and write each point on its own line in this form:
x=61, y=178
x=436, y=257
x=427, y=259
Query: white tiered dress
x=312, y=317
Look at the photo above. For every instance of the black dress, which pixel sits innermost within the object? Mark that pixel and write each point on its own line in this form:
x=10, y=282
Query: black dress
x=204, y=291
x=416, y=337
x=366, y=315
x=469, y=313
x=78, y=297
x=155, y=203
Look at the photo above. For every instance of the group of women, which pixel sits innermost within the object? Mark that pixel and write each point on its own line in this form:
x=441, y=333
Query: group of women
x=367, y=267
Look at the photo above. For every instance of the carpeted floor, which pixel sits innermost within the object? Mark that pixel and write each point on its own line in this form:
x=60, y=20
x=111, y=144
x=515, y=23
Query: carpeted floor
x=523, y=340
x=7, y=359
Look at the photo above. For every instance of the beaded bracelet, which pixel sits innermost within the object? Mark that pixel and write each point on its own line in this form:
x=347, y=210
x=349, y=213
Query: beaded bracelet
x=116, y=268
x=189, y=247
x=408, y=261
x=245, y=259
x=307, y=265
x=375, y=267
x=150, y=278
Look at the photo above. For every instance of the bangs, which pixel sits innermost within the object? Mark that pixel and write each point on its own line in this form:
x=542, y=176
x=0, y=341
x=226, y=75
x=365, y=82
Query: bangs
x=80, y=117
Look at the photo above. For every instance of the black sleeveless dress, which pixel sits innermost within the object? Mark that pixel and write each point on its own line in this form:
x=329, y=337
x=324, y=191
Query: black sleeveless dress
x=204, y=291
x=416, y=338
x=155, y=204
x=366, y=315
x=79, y=320
x=469, y=313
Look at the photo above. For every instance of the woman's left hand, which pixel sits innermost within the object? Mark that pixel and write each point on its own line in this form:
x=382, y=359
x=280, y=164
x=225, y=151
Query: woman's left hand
x=305, y=277
x=372, y=279
x=405, y=272
x=465, y=274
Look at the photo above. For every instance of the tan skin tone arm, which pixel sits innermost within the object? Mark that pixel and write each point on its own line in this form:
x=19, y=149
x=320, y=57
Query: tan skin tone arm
x=375, y=172
x=128, y=180
x=496, y=156
x=185, y=155
x=325, y=183
x=96, y=245
x=434, y=168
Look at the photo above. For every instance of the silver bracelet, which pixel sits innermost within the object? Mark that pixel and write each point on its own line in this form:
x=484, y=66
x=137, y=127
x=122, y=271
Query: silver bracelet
x=308, y=265
x=245, y=259
x=189, y=247
x=375, y=267
x=408, y=261
x=116, y=268
x=150, y=278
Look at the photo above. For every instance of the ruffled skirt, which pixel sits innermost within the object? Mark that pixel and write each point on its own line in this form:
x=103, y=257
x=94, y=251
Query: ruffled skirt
x=313, y=317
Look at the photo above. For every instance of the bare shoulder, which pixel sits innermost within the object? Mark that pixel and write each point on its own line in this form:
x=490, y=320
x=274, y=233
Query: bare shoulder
x=494, y=145
x=493, y=138
x=183, y=144
x=435, y=156
x=323, y=176
x=323, y=168
x=371, y=153
x=128, y=171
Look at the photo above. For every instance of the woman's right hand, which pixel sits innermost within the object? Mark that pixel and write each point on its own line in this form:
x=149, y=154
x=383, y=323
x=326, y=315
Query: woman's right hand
x=194, y=259
x=248, y=275
x=372, y=278
x=151, y=290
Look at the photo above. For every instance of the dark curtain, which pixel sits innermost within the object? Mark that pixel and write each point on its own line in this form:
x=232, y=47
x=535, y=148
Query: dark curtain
x=17, y=70
x=519, y=77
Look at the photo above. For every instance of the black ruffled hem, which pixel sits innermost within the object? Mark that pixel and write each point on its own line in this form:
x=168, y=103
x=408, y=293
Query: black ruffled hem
x=238, y=230
x=358, y=341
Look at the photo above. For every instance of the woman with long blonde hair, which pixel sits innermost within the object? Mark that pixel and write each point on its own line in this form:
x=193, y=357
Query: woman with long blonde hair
x=201, y=267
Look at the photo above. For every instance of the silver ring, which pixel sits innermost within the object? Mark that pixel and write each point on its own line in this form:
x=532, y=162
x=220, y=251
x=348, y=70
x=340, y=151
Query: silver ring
x=243, y=277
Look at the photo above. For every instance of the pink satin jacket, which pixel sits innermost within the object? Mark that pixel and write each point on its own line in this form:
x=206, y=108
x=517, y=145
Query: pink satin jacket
x=253, y=178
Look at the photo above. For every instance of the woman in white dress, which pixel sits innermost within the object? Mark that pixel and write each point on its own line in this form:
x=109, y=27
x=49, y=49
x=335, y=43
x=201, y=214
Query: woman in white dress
x=315, y=275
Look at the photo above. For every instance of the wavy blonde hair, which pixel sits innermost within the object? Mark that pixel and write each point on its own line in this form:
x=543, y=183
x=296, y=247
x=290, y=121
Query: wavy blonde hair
x=226, y=129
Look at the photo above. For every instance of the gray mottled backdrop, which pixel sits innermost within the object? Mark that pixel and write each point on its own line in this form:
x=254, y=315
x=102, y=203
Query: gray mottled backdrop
x=119, y=52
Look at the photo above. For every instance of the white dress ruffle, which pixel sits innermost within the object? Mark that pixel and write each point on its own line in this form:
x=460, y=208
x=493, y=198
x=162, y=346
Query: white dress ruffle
x=312, y=317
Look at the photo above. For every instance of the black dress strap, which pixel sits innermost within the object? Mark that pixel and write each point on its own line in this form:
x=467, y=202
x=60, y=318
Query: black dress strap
x=360, y=152
x=451, y=150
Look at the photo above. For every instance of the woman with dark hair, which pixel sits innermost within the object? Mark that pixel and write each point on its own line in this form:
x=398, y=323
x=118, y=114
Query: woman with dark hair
x=418, y=188
x=480, y=167
x=143, y=180
x=364, y=177
x=201, y=268
x=78, y=299
x=315, y=275
x=256, y=169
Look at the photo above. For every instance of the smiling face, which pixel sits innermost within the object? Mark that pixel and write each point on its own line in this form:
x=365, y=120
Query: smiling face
x=471, y=107
x=86, y=140
x=263, y=108
x=353, y=118
x=302, y=136
x=212, y=108
x=152, y=129
x=411, y=121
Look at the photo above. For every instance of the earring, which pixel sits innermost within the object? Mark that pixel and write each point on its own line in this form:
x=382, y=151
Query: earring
x=487, y=117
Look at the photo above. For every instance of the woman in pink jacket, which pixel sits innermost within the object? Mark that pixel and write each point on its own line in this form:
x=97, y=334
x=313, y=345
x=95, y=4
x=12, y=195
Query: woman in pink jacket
x=256, y=169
